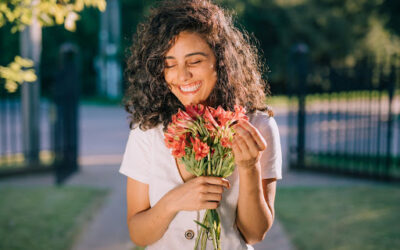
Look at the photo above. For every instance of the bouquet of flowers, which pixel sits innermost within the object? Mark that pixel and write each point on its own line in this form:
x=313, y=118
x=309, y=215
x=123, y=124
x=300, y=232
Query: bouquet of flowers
x=201, y=138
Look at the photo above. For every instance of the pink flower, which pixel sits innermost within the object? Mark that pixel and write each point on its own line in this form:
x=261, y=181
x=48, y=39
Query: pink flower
x=195, y=110
x=175, y=139
x=240, y=113
x=210, y=122
x=226, y=117
x=225, y=142
x=201, y=149
x=178, y=149
x=218, y=112
x=182, y=119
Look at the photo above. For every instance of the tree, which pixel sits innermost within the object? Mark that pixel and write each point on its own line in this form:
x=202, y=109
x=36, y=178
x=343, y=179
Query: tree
x=22, y=13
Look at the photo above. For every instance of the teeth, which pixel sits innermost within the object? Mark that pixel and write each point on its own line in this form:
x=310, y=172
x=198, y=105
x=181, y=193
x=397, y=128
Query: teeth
x=191, y=88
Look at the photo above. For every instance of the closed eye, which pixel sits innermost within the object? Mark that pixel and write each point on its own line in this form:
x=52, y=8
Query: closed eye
x=196, y=62
x=169, y=66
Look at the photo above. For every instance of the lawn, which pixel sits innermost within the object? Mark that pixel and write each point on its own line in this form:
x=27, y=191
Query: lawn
x=45, y=217
x=324, y=218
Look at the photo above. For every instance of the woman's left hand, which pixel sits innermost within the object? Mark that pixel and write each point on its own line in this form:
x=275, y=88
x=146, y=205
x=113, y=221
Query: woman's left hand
x=247, y=145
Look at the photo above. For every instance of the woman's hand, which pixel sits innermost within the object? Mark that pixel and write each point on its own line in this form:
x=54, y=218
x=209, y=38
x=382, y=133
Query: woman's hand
x=247, y=145
x=204, y=192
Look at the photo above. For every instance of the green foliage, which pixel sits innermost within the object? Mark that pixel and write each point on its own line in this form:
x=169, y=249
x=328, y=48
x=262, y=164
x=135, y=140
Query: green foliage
x=336, y=32
x=22, y=13
x=14, y=74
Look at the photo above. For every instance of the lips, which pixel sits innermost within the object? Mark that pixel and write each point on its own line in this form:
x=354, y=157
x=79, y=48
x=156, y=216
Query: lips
x=190, y=88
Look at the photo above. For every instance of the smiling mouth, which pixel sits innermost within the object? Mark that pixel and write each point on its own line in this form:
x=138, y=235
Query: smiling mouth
x=190, y=88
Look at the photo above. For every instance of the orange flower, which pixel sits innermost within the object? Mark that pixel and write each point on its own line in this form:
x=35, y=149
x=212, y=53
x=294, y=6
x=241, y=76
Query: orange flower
x=178, y=149
x=225, y=142
x=182, y=119
x=201, y=149
x=210, y=122
x=240, y=113
x=195, y=111
x=225, y=117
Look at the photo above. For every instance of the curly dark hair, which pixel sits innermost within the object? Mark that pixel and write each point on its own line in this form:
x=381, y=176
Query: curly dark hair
x=239, y=69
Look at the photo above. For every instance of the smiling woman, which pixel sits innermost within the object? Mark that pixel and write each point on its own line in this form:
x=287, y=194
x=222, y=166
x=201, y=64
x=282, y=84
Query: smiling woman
x=189, y=52
x=190, y=69
x=238, y=68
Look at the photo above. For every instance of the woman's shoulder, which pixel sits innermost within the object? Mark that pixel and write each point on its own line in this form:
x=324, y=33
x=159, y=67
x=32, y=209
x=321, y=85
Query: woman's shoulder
x=146, y=130
x=265, y=122
x=263, y=117
x=142, y=133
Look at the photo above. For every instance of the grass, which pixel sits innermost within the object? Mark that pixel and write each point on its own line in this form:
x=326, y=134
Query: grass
x=353, y=218
x=45, y=217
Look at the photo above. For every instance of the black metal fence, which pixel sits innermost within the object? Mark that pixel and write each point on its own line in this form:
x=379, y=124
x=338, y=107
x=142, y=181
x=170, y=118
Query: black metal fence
x=58, y=126
x=346, y=120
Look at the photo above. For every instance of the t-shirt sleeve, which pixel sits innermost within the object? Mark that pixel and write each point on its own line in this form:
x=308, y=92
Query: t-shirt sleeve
x=271, y=158
x=136, y=161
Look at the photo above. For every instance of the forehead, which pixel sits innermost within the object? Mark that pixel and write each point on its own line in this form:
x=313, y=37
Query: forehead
x=188, y=42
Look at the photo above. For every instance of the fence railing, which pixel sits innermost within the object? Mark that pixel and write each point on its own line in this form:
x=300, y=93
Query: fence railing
x=347, y=120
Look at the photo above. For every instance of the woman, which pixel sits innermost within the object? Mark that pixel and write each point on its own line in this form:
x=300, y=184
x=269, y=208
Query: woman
x=189, y=52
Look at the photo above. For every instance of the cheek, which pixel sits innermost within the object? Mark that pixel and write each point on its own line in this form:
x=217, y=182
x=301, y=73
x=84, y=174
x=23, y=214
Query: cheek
x=167, y=77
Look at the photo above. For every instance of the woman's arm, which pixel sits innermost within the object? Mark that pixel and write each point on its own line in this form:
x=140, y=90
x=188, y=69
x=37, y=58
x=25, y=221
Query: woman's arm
x=148, y=224
x=141, y=218
x=255, y=211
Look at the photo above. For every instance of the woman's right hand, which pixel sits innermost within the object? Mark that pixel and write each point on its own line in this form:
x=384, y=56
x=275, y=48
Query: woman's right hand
x=203, y=192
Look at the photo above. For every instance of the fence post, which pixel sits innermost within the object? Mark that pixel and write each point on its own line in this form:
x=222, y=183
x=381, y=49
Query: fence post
x=30, y=47
x=300, y=61
x=389, y=141
x=66, y=97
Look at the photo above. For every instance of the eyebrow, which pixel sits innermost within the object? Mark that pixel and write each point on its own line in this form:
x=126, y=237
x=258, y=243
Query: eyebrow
x=190, y=54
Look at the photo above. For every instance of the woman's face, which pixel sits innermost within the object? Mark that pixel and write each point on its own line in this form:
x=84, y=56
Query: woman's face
x=190, y=69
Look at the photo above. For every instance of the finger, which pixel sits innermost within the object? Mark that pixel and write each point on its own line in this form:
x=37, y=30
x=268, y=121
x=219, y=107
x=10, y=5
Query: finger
x=255, y=133
x=211, y=188
x=215, y=180
x=235, y=147
x=211, y=197
x=248, y=139
x=210, y=205
x=245, y=151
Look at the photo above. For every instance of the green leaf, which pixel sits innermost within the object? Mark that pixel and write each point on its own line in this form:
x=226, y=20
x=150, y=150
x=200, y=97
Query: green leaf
x=202, y=225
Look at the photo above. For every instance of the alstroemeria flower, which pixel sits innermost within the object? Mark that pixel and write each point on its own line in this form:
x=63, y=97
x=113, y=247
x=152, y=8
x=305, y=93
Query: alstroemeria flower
x=240, y=113
x=201, y=149
x=178, y=149
x=210, y=122
x=225, y=142
x=211, y=135
x=195, y=110
x=182, y=119
x=225, y=117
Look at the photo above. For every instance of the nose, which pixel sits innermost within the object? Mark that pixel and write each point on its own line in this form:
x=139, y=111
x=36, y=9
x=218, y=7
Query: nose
x=184, y=74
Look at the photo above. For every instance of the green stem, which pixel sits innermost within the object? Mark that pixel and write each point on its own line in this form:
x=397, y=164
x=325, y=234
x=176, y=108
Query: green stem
x=219, y=166
x=202, y=232
x=209, y=164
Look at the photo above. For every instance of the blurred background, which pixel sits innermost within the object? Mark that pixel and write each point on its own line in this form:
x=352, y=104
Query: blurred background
x=334, y=72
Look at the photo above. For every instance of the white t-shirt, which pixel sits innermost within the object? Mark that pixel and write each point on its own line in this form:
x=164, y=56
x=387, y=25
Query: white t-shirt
x=148, y=160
